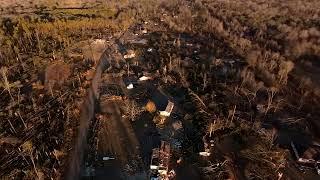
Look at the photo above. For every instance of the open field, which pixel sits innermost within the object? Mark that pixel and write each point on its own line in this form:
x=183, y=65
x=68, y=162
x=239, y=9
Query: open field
x=243, y=77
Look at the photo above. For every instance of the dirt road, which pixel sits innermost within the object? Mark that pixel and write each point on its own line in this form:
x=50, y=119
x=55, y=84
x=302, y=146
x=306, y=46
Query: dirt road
x=116, y=138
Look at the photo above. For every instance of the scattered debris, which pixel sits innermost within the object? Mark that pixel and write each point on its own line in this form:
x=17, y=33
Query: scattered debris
x=144, y=78
x=108, y=158
x=37, y=85
x=99, y=117
x=99, y=41
x=128, y=168
x=58, y=154
x=280, y=174
x=177, y=125
x=185, y=65
x=89, y=172
x=171, y=174
x=317, y=166
x=295, y=150
x=139, y=42
x=231, y=61
x=130, y=86
x=160, y=162
x=130, y=54
x=89, y=74
x=261, y=108
x=176, y=144
x=168, y=110
x=304, y=161
x=144, y=31
x=206, y=154
x=213, y=167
